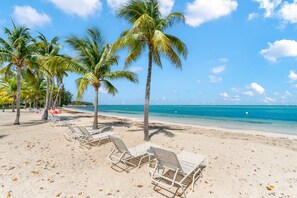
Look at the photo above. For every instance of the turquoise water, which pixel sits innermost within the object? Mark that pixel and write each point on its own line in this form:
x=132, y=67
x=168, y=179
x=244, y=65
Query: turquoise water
x=276, y=119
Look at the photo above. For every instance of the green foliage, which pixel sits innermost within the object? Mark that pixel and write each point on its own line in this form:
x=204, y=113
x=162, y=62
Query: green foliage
x=66, y=97
x=147, y=30
x=81, y=103
x=94, y=61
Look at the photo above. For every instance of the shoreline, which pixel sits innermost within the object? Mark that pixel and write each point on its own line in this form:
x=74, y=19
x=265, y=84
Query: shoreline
x=240, y=131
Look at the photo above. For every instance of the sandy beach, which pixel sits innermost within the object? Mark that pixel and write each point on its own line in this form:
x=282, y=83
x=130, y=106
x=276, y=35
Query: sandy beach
x=37, y=161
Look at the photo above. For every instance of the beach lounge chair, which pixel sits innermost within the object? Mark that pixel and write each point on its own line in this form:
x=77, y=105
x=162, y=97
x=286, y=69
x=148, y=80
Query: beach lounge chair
x=71, y=133
x=90, y=139
x=121, y=153
x=177, y=170
x=53, y=121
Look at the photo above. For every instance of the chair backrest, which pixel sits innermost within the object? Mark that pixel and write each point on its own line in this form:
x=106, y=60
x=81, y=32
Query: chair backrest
x=84, y=131
x=51, y=117
x=166, y=158
x=119, y=144
x=71, y=128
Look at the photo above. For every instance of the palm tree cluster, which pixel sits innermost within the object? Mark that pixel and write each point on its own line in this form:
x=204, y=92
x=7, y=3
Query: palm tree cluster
x=32, y=68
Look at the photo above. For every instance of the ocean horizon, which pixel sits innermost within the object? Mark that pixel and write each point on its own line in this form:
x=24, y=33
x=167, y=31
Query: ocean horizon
x=264, y=118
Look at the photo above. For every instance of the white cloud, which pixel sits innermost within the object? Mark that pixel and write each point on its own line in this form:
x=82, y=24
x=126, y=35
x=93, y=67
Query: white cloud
x=252, y=16
x=227, y=97
x=135, y=69
x=269, y=6
x=201, y=11
x=164, y=5
x=219, y=69
x=82, y=8
x=248, y=93
x=28, y=16
x=224, y=95
x=279, y=49
x=295, y=86
x=235, y=90
x=116, y=4
x=257, y=88
x=292, y=75
x=286, y=95
x=215, y=79
x=103, y=90
x=268, y=100
x=223, y=60
x=288, y=12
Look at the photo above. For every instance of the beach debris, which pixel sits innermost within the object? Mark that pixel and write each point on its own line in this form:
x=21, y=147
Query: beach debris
x=26, y=163
x=139, y=186
x=80, y=193
x=270, y=187
x=14, y=179
x=58, y=195
x=158, y=189
x=35, y=172
x=100, y=189
x=11, y=168
x=109, y=194
x=8, y=194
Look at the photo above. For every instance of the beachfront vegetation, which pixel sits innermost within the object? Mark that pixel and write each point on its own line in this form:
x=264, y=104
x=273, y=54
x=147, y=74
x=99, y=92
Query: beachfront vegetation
x=94, y=62
x=27, y=76
x=147, y=31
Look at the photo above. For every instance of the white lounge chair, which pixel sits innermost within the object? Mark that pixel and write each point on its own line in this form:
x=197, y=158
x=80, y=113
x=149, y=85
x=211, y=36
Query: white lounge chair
x=71, y=133
x=186, y=168
x=89, y=138
x=121, y=153
x=53, y=121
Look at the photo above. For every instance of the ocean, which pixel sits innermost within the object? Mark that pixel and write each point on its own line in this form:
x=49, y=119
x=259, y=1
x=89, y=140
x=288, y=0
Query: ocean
x=273, y=119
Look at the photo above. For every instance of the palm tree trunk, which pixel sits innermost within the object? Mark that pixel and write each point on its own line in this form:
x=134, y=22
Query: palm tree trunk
x=45, y=113
x=3, y=108
x=13, y=104
x=51, y=96
x=95, y=123
x=36, y=99
x=147, y=97
x=58, y=93
x=18, y=96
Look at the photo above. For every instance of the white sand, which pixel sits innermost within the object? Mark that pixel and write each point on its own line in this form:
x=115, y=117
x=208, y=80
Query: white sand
x=241, y=165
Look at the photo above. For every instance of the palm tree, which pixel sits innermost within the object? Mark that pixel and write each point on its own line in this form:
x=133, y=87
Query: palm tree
x=17, y=52
x=35, y=90
x=46, y=51
x=4, y=99
x=94, y=62
x=147, y=30
x=9, y=86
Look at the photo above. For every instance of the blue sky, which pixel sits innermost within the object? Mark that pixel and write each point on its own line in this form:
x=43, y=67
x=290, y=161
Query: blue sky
x=240, y=52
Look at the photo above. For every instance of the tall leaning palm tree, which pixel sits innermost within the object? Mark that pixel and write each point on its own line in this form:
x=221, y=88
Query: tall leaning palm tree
x=95, y=63
x=147, y=32
x=17, y=51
